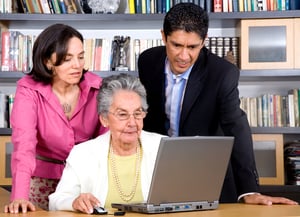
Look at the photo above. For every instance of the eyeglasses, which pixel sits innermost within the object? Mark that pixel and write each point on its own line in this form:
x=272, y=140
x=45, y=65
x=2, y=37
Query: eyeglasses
x=123, y=115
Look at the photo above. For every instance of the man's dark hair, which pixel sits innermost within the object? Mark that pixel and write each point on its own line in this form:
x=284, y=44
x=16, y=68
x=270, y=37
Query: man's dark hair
x=188, y=17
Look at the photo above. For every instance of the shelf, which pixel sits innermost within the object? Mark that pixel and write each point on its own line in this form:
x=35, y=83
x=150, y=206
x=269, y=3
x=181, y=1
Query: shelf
x=5, y=131
x=133, y=21
x=255, y=130
x=275, y=130
x=270, y=75
x=14, y=76
x=246, y=75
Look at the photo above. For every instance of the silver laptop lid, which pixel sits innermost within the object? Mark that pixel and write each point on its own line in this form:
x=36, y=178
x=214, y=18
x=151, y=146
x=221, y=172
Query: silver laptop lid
x=189, y=169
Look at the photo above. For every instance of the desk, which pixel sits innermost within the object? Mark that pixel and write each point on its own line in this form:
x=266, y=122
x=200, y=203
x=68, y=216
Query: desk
x=224, y=210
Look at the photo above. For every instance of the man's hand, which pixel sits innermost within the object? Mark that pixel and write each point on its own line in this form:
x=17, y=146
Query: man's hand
x=85, y=203
x=19, y=205
x=267, y=200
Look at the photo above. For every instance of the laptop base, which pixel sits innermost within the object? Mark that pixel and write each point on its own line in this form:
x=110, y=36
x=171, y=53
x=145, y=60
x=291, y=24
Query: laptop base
x=166, y=208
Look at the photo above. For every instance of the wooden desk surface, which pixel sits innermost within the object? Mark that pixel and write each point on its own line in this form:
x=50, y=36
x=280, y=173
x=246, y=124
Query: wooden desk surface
x=224, y=210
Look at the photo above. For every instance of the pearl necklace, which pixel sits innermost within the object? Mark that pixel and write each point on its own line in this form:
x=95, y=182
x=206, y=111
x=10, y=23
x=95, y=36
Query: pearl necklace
x=124, y=196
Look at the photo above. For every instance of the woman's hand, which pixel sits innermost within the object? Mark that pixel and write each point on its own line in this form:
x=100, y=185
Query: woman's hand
x=267, y=200
x=85, y=203
x=19, y=205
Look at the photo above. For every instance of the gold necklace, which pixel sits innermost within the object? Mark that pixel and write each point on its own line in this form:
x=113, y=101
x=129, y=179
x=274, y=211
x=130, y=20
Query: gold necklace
x=124, y=196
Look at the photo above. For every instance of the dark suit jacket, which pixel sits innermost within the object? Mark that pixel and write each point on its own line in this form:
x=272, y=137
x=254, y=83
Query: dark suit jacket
x=211, y=106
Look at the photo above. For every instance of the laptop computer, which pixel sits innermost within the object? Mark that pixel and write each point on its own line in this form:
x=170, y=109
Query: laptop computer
x=188, y=175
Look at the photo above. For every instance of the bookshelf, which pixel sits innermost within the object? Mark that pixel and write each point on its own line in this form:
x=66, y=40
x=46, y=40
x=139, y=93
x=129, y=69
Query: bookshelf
x=149, y=25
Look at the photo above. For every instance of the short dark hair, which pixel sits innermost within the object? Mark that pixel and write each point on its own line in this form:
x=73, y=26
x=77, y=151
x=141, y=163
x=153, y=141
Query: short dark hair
x=53, y=39
x=188, y=17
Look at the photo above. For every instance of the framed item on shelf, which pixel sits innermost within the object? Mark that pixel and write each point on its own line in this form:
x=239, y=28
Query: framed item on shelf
x=268, y=151
x=297, y=43
x=267, y=44
x=5, y=156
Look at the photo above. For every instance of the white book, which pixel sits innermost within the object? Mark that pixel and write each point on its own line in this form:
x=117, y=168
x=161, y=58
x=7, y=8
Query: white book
x=45, y=6
x=3, y=111
x=291, y=110
x=106, y=54
x=225, y=6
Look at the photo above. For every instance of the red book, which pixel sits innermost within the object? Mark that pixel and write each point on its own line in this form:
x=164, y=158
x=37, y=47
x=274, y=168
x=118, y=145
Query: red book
x=218, y=6
x=97, y=54
x=5, y=42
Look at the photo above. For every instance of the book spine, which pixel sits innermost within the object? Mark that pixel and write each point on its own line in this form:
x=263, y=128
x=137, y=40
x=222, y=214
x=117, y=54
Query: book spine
x=45, y=6
x=70, y=7
x=11, y=98
x=208, y=6
x=98, y=53
x=217, y=5
x=5, y=43
x=138, y=6
x=3, y=111
x=78, y=5
x=56, y=6
x=131, y=6
x=62, y=7
x=235, y=6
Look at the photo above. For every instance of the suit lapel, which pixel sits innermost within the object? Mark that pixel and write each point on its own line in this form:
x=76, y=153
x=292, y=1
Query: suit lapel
x=194, y=87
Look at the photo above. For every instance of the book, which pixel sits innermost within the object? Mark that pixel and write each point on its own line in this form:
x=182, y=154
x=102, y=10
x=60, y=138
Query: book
x=208, y=6
x=105, y=56
x=62, y=6
x=235, y=5
x=291, y=109
x=218, y=5
x=220, y=46
x=56, y=6
x=294, y=4
x=253, y=5
x=37, y=8
x=202, y=3
x=78, y=5
x=225, y=6
x=22, y=7
x=241, y=6
x=3, y=111
x=88, y=53
x=14, y=50
x=138, y=6
x=143, y=6
x=97, y=54
x=45, y=6
x=11, y=98
x=70, y=7
x=5, y=43
x=51, y=6
x=131, y=6
x=259, y=112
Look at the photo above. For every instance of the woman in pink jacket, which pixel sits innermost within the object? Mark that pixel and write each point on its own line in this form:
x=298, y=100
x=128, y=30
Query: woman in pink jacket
x=54, y=109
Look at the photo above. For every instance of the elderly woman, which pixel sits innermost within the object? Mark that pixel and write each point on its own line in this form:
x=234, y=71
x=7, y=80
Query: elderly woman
x=116, y=166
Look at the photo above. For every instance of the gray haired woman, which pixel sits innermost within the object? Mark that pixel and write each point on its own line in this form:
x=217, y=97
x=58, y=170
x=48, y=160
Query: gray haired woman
x=116, y=166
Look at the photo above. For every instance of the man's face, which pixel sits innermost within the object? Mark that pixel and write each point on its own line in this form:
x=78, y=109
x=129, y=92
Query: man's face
x=183, y=49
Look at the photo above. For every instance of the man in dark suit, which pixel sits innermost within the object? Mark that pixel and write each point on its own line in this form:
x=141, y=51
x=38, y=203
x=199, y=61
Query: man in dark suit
x=209, y=104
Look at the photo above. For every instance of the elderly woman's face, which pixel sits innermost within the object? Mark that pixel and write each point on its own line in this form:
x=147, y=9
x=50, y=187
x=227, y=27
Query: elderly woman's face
x=125, y=117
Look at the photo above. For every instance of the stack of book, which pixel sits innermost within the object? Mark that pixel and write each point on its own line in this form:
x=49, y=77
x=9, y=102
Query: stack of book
x=292, y=162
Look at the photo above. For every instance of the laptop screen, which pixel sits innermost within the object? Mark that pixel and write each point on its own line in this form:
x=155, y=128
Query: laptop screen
x=190, y=169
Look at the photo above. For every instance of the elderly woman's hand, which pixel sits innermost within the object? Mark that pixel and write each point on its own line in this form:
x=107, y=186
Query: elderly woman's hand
x=85, y=203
